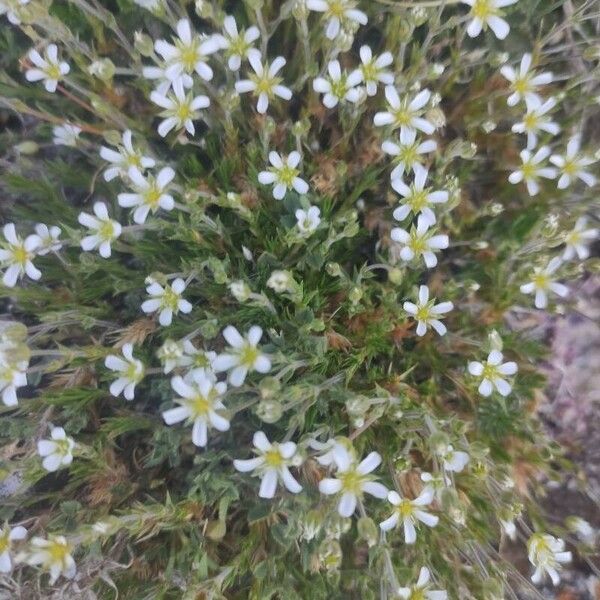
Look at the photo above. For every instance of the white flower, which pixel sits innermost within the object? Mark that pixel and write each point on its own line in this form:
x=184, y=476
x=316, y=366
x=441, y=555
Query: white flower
x=337, y=12
x=283, y=175
x=242, y=355
x=487, y=12
x=405, y=113
x=454, y=460
x=419, y=242
x=57, y=451
x=265, y=84
x=150, y=193
x=572, y=165
x=187, y=54
x=271, y=464
x=427, y=313
x=536, y=120
x=16, y=256
x=308, y=220
x=105, y=230
x=352, y=480
x=66, y=135
x=410, y=512
x=577, y=240
x=546, y=553
x=12, y=376
x=180, y=109
x=236, y=43
x=47, y=68
x=47, y=239
x=8, y=535
x=123, y=158
x=373, y=70
x=542, y=282
x=417, y=198
x=531, y=170
x=338, y=86
x=491, y=374
x=200, y=404
x=407, y=154
x=421, y=591
x=166, y=299
x=198, y=361
x=54, y=555
x=130, y=369
x=10, y=8
x=524, y=82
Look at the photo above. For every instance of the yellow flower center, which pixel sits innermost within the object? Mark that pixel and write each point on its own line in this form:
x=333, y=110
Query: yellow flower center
x=483, y=9
x=416, y=243
x=183, y=111
x=418, y=200
x=238, y=46
x=409, y=154
x=170, y=299
x=188, y=55
x=287, y=175
x=107, y=230
x=573, y=238
x=402, y=116
x=369, y=71
x=62, y=447
x=570, y=167
x=200, y=361
x=489, y=371
x=133, y=160
x=541, y=281
x=152, y=196
x=53, y=72
x=4, y=542
x=351, y=481
x=339, y=88
x=417, y=594
x=248, y=355
x=134, y=373
x=405, y=508
x=521, y=85
x=200, y=405
x=273, y=458
x=20, y=255
x=422, y=313
x=531, y=121
x=529, y=171
x=58, y=551
x=337, y=8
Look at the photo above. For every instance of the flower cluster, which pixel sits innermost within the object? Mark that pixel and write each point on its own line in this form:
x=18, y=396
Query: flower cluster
x=286, y=263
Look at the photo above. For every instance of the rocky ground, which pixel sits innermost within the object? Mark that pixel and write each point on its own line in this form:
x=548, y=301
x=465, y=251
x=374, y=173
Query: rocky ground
x=570, y=409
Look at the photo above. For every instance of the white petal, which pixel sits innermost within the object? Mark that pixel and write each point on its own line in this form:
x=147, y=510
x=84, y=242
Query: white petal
x=347, y=504
x=268, y=484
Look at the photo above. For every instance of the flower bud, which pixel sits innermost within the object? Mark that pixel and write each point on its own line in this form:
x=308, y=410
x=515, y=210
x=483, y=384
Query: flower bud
x=27, y=148
x=368, y=531
x=240, y=290
x=281, y=281
x=143, y=44
x=103, y=69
